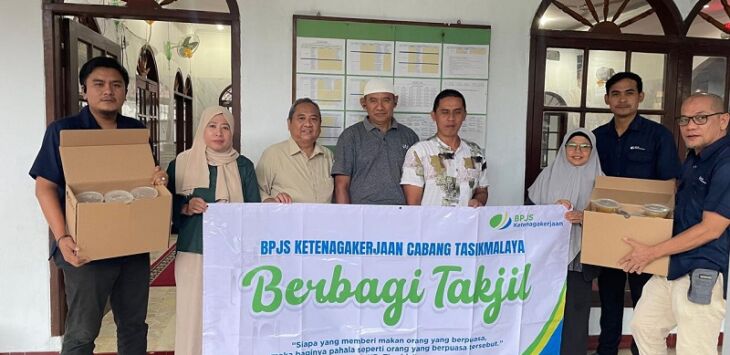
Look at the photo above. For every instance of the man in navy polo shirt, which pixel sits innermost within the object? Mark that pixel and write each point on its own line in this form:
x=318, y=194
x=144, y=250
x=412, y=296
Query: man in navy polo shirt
x=124, y=280
x=691, y=297
x=634, y=147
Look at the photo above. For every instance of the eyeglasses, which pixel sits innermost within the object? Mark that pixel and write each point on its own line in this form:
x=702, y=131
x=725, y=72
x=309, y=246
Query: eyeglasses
x=698, y=119
x=576, y=146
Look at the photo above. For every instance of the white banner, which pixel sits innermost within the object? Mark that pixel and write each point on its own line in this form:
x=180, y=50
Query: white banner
x=307, y=279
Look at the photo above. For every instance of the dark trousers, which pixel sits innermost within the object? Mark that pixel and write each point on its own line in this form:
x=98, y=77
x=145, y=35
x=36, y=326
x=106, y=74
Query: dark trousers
x=124, y=282
x=611, y=286
x=577, y=311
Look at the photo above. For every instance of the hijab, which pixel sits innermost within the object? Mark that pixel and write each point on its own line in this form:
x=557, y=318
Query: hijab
x=563, y=180
x=192, y=165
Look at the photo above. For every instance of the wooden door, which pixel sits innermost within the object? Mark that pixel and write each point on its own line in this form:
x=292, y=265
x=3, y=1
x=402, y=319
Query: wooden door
x=80, y=44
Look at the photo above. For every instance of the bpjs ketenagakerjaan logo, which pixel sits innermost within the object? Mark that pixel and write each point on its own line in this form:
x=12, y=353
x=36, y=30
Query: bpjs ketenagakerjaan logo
x=503, y=221
x=500, y=221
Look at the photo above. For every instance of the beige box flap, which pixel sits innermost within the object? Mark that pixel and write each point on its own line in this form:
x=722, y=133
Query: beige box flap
x=633, y=197
x=92, y=137
x=106, y=155
x=636, y=185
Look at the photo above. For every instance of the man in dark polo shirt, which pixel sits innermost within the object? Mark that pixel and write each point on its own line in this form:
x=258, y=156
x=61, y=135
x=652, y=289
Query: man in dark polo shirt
x=369, y=154
x=123, y=280
x=691, y=297
x=634, y=147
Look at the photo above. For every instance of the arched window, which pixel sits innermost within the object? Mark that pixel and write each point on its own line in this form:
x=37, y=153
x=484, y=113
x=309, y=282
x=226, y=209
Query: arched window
x=148, y=96
x=188, y=126
x=712, y=20
x=576, y=45
x=637, y=17
x=189, y=86
x=226, y=98
x=178, y=89
x=183, y=92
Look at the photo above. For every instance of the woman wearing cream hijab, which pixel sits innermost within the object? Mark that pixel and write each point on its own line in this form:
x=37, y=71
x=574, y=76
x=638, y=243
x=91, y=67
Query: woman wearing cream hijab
x=210, y=171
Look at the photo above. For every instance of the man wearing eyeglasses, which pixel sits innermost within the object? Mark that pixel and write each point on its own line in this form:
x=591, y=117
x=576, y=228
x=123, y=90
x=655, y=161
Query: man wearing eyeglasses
x=446, y=170
x=634, y=147
x=691, y=297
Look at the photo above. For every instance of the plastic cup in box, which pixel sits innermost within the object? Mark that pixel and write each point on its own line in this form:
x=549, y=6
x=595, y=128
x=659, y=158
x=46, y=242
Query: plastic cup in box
x=90, y=196
x=144, y=192
x=655, y=210
x=605, y=205
x=118, y=196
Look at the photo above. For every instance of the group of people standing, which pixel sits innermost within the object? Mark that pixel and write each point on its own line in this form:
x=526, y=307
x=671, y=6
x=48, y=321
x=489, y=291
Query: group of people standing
x=634, y=147
x=381, y=161
x=365, y=169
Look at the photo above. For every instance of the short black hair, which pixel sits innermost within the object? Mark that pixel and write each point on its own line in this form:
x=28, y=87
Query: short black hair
x=625, y=75
x=102, y=62
x=447, y=93
x=297, y=102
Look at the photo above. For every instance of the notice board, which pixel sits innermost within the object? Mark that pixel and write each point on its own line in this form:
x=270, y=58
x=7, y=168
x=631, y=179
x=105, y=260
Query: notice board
x=334, y=58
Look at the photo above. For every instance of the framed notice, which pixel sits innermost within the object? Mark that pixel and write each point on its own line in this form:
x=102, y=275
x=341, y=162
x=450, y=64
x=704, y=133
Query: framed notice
x=335, y=57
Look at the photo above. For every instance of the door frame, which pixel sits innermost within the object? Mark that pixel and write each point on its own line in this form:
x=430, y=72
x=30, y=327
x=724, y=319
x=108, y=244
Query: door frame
x=54, y=84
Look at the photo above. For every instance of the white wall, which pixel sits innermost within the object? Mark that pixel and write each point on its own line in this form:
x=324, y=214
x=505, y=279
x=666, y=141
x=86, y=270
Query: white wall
x=24, y=300
x=210, y=69
x=266, y=83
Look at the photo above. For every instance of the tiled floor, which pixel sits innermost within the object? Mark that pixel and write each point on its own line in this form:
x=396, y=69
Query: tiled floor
x=160, y=318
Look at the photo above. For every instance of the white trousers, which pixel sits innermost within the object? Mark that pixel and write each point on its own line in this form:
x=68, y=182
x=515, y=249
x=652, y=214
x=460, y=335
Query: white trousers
x=664, y=305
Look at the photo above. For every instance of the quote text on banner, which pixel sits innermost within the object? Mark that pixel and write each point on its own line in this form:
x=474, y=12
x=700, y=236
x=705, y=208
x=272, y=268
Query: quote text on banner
x=307, y=279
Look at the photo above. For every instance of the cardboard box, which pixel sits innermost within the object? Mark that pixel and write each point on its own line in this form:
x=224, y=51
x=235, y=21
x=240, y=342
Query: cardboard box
x=104, y=160
x=603, y=233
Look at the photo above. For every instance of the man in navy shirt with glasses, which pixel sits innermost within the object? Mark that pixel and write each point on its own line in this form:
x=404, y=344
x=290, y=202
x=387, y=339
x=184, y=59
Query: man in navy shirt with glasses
x=691, y=297
x=634, y=147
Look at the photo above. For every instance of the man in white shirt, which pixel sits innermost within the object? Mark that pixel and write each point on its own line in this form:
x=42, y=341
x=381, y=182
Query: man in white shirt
x=446, y=170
